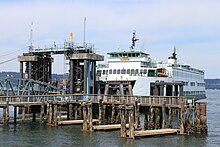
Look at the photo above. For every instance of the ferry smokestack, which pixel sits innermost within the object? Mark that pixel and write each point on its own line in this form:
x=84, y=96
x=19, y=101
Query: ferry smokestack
x=71, y=37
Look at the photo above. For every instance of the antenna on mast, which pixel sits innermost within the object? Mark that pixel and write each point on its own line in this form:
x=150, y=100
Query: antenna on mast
x=174, y=53
x=31, y=38
x=84, y=37
x=133, y=40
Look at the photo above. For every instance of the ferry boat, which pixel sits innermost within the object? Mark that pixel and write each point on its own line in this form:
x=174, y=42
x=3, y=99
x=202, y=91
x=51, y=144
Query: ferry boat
x=138, y=70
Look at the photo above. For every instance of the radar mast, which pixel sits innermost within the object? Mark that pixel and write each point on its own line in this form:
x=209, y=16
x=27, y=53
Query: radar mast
x=133, y=40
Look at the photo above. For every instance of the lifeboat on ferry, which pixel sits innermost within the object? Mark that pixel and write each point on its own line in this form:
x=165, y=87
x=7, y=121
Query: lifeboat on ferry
x=162, y=72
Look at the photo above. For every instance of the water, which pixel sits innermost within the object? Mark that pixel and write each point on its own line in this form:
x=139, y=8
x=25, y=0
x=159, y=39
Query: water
x=34, y=135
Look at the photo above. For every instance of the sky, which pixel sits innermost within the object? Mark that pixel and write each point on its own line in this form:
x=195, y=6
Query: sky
x=192, y=26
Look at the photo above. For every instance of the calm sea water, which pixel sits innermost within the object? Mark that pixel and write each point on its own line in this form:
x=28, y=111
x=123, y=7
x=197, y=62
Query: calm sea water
x=34, y=135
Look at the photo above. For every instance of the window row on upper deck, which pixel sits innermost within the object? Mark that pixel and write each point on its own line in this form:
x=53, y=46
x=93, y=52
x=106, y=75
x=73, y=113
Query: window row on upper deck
x=128, y=54
x=149, y=72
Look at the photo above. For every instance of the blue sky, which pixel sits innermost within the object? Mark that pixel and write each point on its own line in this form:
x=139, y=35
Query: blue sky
x=192, y=26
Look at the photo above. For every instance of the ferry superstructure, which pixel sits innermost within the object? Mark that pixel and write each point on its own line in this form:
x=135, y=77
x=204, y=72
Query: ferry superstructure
x=138, y=69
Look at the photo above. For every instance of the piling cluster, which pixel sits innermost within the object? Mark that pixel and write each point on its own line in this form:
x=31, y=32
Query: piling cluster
x=104, y=114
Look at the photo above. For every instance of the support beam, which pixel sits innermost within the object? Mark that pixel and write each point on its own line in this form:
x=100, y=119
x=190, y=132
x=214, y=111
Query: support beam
x=21, y=74
x=85, y=77
x=71, y=77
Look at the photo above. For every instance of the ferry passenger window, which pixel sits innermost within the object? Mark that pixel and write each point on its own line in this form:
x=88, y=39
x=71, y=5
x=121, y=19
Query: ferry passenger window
x=132, y=71
x=103, y=72
x=114, y=71
x=192, y=84
x=118, y=71
x=123, y=71
x=145, y=71
x=110, y=71
x=98, y=73
x=151, y=73
x=128, y=71
x=141, y=71
x=136, y=71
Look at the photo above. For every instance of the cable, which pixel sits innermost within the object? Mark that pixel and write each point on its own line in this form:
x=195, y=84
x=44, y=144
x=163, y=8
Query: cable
x=13, y=52
x=8, y=60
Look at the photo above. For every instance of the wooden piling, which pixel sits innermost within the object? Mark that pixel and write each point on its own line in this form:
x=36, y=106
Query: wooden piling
x=59, y=111
x=123, y=121
x=151, y=120
x=23, y=114
x=34, y=117
x=80, y=112
x=85, y=125
x=118, y=117
x=75, y=112
x=70, y=111
x=101, y=111
x=188, y=120
x=50, y=113
x=55, y=113
x=113, y=114
x=170, y=119
x=131, y=122
x=163, y=115
x=6, y=114
x=137, y=115
x=42, y=113
x=197, y=119
x=203, y=120
x=90, y=122
x=130, y=89
x=15, y=114
x=146, y=121
x=121, y=89
x=181, y=117
x=104, y=113
x=158, y=118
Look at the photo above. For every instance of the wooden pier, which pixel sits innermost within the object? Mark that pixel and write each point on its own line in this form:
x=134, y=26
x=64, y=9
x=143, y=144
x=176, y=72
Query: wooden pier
x=109, y=112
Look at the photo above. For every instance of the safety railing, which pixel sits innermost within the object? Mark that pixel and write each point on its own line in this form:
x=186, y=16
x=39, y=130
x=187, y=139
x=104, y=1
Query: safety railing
x=143, y=100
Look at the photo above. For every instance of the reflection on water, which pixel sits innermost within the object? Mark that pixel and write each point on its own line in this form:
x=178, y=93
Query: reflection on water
x=33, y=134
